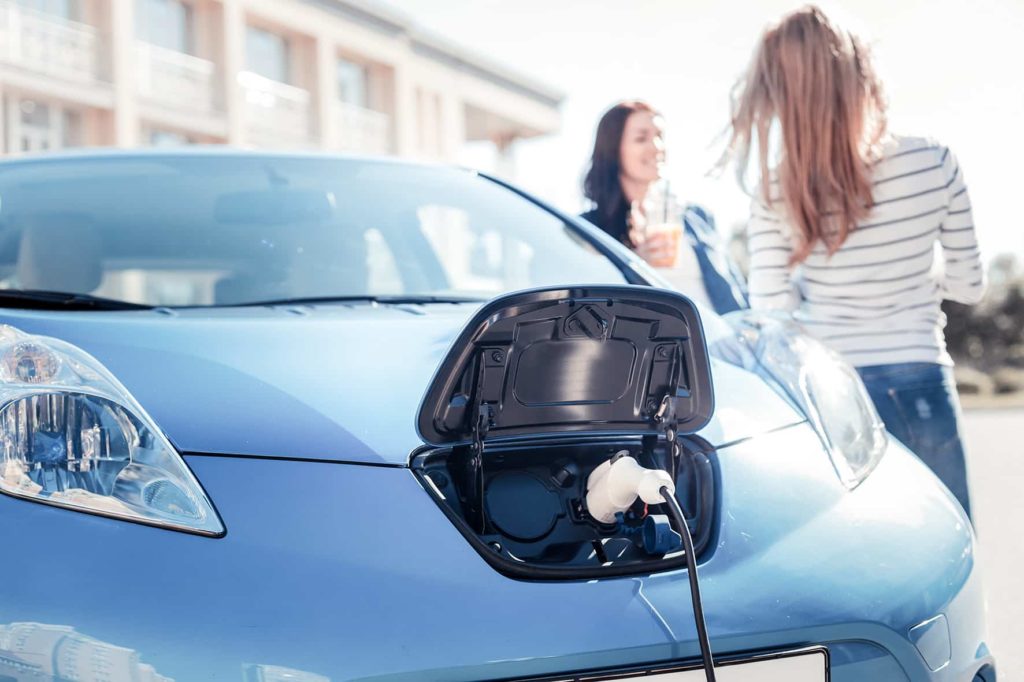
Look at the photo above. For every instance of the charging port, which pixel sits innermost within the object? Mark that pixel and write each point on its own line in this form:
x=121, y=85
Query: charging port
x=537, y=525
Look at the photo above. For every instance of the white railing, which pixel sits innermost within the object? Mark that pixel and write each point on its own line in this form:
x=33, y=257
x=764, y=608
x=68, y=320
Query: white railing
x=48, y=43
x=175, y=78
x=362, y=130
x=276, y=113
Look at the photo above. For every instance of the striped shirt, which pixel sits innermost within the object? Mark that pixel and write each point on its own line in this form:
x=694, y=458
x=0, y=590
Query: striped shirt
x=876, y=300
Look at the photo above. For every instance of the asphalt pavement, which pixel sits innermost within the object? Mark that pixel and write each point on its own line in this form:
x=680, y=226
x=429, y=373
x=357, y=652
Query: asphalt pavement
x=995, y=451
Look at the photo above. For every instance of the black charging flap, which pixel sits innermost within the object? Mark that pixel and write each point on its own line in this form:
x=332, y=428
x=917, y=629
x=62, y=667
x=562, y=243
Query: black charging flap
x=581, y=360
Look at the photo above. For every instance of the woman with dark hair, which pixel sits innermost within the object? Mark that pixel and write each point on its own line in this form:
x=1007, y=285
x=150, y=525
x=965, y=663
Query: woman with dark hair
x=626, y=163
x=846, y=224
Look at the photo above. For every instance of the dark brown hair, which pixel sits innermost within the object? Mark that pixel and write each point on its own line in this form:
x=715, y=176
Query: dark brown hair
x=601, y=184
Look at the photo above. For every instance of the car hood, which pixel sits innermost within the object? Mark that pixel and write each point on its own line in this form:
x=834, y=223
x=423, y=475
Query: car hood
x=330, y=382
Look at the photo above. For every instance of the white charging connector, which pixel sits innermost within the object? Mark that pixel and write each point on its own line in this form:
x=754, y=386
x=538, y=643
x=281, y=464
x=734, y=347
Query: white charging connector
x=614, y=486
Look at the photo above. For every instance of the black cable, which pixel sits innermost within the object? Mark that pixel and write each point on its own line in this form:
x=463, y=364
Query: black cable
x=679, y=520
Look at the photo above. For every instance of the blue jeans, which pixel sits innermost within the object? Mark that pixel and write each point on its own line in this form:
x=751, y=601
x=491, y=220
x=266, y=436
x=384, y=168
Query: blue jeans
x=918, y=403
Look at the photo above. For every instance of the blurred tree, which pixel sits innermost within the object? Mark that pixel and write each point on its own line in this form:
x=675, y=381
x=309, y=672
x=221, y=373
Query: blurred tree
x=989, y=337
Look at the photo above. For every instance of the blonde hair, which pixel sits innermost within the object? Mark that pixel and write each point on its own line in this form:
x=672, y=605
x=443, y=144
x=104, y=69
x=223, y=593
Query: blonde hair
x=817, y=82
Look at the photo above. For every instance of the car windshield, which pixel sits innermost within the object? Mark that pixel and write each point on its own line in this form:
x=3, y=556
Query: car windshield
x=205, y=229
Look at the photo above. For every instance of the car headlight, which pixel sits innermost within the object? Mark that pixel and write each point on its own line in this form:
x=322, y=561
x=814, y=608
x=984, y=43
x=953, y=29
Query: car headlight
x=817, y=381
x=71, y=435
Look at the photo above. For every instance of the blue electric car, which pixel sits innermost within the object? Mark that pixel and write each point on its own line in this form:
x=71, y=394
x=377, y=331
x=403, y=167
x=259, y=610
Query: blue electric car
x=297, y=417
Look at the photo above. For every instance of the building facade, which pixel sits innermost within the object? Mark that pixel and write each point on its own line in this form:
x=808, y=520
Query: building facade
x=333, y=74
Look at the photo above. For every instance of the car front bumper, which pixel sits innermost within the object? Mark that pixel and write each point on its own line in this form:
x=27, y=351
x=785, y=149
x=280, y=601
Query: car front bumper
x=351, y=572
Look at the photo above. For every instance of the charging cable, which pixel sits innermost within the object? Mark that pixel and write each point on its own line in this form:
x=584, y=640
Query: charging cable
x=676, y=512
x=613, y=487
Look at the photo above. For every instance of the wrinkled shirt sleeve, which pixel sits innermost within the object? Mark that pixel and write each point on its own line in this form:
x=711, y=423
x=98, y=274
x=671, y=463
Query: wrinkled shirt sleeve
x=963, y=278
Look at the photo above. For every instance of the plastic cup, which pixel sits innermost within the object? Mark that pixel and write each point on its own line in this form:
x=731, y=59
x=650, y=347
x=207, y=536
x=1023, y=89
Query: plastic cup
x=660, y=247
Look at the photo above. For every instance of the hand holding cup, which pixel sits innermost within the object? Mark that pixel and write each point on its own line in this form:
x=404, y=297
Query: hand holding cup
x=659, y=244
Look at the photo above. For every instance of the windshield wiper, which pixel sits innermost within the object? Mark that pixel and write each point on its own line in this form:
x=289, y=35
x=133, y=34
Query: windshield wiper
x=38, y=299
x=391, y=300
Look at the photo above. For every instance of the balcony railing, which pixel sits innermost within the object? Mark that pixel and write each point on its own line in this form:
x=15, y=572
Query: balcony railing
x=276, y=113
x=362, y=130
x=48, y=43
x=174, y=78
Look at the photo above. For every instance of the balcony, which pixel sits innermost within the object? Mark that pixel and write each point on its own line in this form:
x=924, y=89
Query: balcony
x=363, y=131
x=277, y=114
x=175, y=79
x=48, y=43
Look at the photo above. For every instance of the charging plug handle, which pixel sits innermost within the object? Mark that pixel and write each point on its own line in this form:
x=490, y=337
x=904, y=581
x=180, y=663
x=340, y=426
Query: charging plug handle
x=614, y=486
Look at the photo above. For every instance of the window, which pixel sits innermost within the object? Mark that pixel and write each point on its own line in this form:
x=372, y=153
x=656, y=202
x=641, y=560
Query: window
x=166, y=23
x=205, y=230
x=383, y=274
x=37, y=126
x=167, y=138
x=477, y=257
x=267, y=54
x=65, y=9
x=353, y=83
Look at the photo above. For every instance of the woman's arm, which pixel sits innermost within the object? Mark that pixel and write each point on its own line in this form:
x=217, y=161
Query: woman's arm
x=770, y=285
x=964, y=277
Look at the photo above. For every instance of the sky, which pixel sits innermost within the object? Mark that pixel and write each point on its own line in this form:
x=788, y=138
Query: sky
x=952, y=71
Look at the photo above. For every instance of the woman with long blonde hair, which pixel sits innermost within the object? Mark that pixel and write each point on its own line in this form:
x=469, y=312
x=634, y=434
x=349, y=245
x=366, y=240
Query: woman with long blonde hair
x=845, y=224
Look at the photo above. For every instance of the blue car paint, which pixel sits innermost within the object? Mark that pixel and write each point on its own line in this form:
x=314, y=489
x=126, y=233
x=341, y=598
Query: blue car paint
x=352, y=572
x=338, y=569
x=263, y=381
